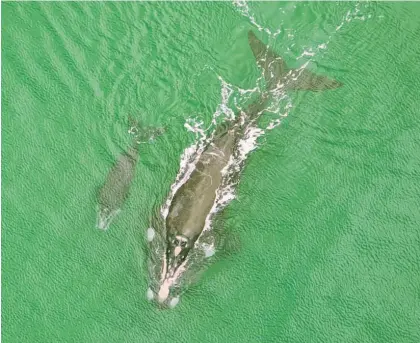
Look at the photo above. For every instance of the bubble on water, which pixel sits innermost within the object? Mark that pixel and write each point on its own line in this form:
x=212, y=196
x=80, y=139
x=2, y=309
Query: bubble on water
x=209, y=251
x=150, y=234
x=149, y=294
x=173, y=302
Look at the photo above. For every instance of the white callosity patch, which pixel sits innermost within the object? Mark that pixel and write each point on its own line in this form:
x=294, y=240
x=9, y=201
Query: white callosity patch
x=167, y=282
x=164, y=291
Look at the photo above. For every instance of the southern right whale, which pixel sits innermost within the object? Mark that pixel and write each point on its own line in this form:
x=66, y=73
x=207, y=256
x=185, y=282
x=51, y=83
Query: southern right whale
x=194, y=200
x=115, y=190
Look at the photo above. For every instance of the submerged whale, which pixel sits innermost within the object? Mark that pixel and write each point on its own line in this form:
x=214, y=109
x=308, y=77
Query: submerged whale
x=194, y=200
x=116, y=187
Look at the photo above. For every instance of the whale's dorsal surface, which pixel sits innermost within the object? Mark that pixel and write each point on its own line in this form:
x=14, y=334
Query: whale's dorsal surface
x=194, y=199
x=278, y=74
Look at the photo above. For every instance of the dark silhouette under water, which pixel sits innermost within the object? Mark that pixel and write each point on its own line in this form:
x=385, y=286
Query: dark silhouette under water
x=116, y=188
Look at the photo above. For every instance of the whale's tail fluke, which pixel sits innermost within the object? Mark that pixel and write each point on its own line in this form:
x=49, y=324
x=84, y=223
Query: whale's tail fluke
x=278, y=75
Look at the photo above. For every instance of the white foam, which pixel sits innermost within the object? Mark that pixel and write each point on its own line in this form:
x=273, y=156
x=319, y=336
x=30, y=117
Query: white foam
x=209, y=250
x=350, y=15
x=188, y=161
x=191, y=154
x=244, y=9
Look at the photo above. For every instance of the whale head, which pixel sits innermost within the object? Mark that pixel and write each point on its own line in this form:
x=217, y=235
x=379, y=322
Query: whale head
x=173, y=266
x=177, y=248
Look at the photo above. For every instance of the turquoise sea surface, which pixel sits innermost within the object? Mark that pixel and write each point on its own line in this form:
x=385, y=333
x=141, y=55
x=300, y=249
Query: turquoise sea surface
x=327, y=211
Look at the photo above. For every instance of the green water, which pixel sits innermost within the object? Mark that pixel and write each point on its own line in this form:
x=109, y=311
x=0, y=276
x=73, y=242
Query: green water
x=327, y=210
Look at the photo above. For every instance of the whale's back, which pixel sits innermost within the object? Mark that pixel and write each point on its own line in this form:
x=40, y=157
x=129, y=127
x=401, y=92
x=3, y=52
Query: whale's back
x=195, y=198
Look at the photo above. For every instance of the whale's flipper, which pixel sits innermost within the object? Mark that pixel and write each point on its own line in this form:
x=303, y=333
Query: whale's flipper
x=277, y=73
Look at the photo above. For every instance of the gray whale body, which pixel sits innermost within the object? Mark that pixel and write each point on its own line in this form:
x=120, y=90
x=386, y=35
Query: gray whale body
x=193, y=201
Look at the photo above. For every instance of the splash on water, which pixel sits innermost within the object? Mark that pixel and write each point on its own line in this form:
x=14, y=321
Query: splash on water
x=244, y=9
x=359, y=11
x=351, y=14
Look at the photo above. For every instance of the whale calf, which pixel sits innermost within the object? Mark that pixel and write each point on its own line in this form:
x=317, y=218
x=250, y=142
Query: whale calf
x=116, y=187
x=194, y=200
